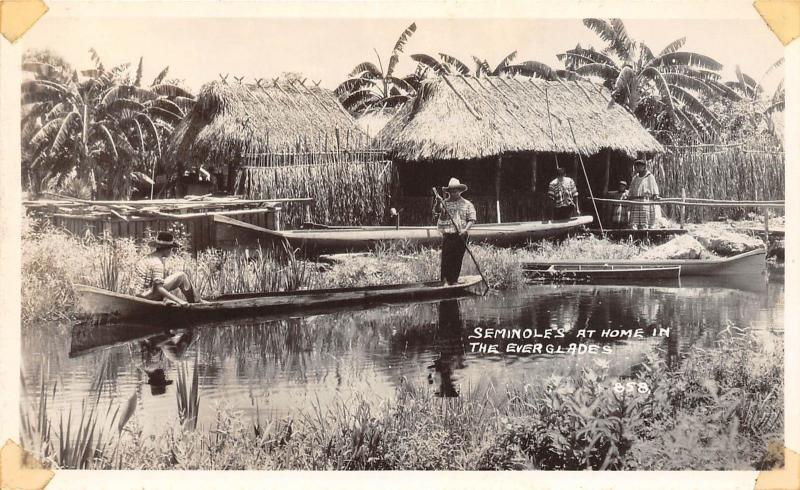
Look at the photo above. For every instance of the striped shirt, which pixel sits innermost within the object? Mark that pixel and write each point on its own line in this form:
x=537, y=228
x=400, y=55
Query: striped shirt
x=150, y=271
x=562, y=192
x=462, y=212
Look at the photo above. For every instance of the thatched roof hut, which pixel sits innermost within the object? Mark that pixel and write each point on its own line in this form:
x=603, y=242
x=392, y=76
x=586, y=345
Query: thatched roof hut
x=230, y=120
x=457, y=117
x=505, y=137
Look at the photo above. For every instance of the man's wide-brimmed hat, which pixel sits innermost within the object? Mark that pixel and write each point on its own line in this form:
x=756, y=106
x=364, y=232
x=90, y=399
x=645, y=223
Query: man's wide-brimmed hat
x=164, y=239
x=454, y=186
x=622, y=182
x=640, y=162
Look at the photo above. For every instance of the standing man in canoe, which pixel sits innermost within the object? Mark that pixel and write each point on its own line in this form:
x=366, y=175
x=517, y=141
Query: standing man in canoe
x=154, y=283
x=643, y=188
x=563, y=194
x=454, y=237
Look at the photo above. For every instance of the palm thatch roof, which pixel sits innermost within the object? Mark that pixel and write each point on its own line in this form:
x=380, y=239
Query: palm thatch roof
x=459, y=117
x=230, y=120
x=373, y=121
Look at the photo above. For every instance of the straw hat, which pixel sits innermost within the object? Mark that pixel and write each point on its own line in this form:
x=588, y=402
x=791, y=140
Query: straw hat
x=454, y=186
x=164, y=239
x=640, y=162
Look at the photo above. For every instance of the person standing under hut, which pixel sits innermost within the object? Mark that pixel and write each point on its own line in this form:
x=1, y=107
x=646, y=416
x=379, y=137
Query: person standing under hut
x=454, y=236
x=619, y=211
x=563, y=194
x=643, y=188
x=152, y=280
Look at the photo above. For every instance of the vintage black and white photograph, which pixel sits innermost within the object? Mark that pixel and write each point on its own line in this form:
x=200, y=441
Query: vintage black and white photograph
x=402, y=243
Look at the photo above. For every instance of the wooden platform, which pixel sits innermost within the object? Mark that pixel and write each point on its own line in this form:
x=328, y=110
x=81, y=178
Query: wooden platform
x=141, y=219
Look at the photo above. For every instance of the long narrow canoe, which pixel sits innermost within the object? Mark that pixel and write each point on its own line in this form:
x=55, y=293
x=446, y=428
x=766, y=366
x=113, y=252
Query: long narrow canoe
x=604, y=272
x=752, y=262
x=354, y=239
x=100, y=302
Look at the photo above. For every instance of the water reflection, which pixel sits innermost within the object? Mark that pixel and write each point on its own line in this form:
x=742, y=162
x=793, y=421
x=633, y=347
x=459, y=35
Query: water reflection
x=449, y=345
x=286, y=365
x=159, y=349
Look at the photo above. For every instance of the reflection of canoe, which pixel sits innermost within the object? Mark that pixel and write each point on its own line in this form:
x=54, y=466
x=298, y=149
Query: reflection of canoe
x=752, y=262
x=95, y=301
x=89, y=336
x=328, y=240
x=604, y=272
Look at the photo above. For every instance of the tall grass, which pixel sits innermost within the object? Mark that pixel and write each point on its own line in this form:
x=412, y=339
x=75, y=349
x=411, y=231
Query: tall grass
x=187, y=394
x=345, y=193
x=730, y=173
x=73, y=441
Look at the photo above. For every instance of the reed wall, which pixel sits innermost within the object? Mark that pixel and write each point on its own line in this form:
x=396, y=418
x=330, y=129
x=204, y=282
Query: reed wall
x=347, y=188
x=730, y=172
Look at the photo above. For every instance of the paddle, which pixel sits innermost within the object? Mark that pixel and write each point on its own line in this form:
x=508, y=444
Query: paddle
x=463, y=239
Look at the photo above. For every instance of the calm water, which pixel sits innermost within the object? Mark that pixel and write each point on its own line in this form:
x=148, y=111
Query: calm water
x=287, y=365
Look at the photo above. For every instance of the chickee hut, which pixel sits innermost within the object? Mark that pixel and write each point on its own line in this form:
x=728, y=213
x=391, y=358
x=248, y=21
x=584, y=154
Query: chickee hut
x=283, y=140
x=504, y=137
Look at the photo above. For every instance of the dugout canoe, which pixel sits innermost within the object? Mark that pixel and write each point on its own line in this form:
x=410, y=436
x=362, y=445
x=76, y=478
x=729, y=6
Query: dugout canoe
x=95, y=302
x=354, y=239
x=604, y=273
x=753, y=262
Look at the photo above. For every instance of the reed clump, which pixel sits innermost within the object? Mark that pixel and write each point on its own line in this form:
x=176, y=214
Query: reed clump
x=692, y=415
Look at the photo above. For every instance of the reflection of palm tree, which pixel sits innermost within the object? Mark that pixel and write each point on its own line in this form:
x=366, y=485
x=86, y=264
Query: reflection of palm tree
x=450, y=345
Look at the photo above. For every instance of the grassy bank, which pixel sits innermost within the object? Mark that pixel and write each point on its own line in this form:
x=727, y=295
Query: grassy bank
x=54, y=261
x=715, y=409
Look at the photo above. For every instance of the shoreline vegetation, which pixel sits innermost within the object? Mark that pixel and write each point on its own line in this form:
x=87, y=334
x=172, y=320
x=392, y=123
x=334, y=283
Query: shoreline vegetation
x=713, y=409
x=54, y=261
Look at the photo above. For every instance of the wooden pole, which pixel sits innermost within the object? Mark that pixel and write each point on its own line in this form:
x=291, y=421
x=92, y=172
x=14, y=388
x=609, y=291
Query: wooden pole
x=766, y=226
x=606, y=171
x=682, y=215
x=533, y=186
x=498, y=165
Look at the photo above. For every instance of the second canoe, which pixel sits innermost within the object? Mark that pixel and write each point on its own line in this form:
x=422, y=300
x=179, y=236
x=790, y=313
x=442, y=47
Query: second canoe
x=337, y=240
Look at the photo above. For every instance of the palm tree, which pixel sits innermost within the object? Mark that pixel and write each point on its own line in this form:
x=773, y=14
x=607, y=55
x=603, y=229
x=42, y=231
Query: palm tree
x=450, y=65
x=668, y=85
x=755, y=103
x=101, y=127
x=374, y=87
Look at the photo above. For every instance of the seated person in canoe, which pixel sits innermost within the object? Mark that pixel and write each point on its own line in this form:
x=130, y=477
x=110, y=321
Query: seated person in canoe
x=455, y=216
x=152, y=280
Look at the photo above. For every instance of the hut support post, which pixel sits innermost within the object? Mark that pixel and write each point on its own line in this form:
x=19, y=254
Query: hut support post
x=766, y=225
x=498, y=167
x=606, y=171
x=533, y=181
